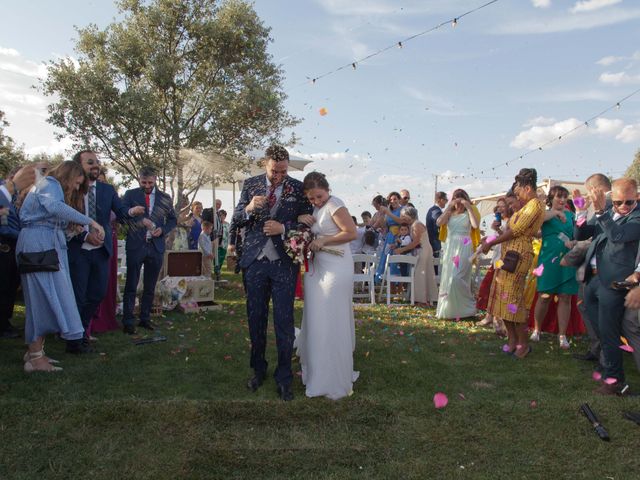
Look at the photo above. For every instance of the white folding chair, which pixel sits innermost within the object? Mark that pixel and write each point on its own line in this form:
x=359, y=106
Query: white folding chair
x=436, y=263
x=366, y=278
x=389, y=278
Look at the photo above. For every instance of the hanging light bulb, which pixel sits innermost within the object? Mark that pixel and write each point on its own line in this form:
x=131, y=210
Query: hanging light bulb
x=353, y=65
x=454, y=23
x=618, y=106
x=399, y=44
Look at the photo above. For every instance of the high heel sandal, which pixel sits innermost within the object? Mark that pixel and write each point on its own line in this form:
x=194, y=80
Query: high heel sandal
x=29, y=366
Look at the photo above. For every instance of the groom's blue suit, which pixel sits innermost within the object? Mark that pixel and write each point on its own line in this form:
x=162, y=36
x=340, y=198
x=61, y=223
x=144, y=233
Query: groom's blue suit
x=268, y=271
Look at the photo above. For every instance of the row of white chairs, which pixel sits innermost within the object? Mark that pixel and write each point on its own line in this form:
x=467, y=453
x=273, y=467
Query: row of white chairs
x=364, y=281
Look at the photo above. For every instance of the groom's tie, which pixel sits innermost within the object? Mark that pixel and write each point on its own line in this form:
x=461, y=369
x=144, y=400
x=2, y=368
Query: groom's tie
x=272, y=195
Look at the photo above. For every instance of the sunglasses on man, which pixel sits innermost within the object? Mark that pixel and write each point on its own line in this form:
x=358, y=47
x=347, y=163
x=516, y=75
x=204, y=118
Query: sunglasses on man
x=406, y=198
x=628, y=203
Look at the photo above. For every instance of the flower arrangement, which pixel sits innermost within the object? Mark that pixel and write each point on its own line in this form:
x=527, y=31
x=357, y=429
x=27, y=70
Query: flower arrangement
x=296, y=245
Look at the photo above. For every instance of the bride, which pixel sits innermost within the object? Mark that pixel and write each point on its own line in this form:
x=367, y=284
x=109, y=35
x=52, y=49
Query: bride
x=327, y=337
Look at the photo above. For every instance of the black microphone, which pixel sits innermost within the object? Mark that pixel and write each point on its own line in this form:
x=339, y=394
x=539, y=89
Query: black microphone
x=597, y=426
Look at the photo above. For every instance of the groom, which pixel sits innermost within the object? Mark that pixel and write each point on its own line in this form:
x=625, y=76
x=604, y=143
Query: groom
x=269, y=207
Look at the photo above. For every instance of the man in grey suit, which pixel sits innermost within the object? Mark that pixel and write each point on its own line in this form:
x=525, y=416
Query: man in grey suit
x=611, y=258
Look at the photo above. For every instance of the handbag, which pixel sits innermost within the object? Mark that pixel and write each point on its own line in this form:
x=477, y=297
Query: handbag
x=510, y=261
x=32, y=262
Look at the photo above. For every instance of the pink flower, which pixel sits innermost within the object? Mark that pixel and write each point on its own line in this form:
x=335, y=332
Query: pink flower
x=440, y=400
x=538, y=271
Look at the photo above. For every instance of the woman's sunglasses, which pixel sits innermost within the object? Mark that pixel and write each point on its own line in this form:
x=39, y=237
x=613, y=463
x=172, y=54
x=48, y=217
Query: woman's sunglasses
x=628, y=203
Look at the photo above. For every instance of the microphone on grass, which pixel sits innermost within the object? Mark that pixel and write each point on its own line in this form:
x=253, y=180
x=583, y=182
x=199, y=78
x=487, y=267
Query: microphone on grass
x=597, y=426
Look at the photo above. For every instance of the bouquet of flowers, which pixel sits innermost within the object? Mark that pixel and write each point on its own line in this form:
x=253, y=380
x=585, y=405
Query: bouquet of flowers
x=296, y=245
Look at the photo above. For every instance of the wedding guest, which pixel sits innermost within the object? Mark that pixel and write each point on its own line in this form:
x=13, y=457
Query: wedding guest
x=104, y=319
x=392, y=221
x=583, y=232
x=178, y=239
x=356, y=244
x=507, y=296
x=459, y=230
x=612, y=258
x=196, y=225
x=327, y=338
x=49, y=300
x=432, y=224
x=223, y=243
x=145, y=245
x=555, y=280
x=89, y=254
x=369, y=242
x=205, y=246
x=405, y=198
x=425, y=286
x=366, y=218
x=502, y=214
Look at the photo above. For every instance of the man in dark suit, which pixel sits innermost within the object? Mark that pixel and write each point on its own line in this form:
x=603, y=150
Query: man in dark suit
x=432, y=227
x=145, y=246
x=269, y=206
x=611, y=257
x=88, y=254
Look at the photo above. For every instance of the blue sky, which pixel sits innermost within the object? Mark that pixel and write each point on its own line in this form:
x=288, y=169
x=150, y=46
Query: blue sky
x=456, y=101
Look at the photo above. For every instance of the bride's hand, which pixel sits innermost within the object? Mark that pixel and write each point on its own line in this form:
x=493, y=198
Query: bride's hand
x=308, y=220
x=316, y=245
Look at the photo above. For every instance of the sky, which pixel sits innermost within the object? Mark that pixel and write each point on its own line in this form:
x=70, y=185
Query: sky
x=447, y=106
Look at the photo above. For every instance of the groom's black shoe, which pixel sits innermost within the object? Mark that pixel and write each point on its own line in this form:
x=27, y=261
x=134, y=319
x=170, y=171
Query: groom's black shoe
x=255, y=382
x=285, y=393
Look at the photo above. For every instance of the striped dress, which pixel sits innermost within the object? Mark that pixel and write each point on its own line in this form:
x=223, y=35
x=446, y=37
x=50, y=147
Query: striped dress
x=507, y=300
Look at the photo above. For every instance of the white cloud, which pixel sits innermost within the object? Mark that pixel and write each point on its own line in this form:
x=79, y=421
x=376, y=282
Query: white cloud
x=539, y=135
x=606, y=126
x=390, y=7
x=9, y=52
x=21, y=98
x=577, y=96
x=541, y=3
x=611, y=59
x=567, y=22
x=629, y=134
x=619, y=78
x=55, y=146
x=591, y=5
x=24, y=67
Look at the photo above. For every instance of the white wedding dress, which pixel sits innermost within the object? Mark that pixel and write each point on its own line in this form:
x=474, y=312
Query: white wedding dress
x=327, y=337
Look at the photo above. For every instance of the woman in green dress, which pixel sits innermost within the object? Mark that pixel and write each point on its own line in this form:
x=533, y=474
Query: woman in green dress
x=553, y=279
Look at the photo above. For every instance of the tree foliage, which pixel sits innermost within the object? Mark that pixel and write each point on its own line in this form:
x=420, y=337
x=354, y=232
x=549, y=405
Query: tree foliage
x=634, y=169
x=11, y=155
x=171, y=75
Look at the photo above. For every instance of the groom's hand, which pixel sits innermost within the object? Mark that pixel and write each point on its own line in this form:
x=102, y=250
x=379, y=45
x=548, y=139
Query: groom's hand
x=271, y=227
x=258, y=202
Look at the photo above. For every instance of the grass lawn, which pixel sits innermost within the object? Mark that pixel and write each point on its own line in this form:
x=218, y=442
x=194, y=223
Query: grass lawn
x=180, y=409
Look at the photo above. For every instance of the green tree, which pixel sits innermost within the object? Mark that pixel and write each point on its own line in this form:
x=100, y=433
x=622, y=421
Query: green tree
x=171, y=75
x=11, y=155
x=634, y=169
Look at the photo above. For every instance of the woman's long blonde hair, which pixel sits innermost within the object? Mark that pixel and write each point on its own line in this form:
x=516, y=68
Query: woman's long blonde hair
x=66, y=173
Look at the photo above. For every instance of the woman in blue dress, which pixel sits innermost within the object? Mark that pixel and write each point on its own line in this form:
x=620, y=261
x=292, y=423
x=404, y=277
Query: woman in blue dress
x=392, y=219
x=50, y=303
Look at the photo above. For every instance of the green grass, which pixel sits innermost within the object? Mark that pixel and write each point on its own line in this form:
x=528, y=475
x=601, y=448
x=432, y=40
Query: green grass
x=180, y=409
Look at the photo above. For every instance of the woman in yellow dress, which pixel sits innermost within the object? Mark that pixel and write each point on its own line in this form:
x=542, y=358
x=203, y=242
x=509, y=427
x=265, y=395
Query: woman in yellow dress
x=507, y=301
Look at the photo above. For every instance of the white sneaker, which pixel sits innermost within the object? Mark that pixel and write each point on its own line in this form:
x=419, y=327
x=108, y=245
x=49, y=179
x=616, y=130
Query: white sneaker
x=535, y=336
x=562, y=340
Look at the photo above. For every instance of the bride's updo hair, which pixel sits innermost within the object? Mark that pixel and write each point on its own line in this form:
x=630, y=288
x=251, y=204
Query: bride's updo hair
x=315, y=180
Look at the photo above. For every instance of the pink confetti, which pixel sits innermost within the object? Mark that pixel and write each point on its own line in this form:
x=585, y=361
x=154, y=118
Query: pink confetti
x=504, y=295
x=533, y=404
x=462, y=397
x=456, y=261
x=490, y=238
x=457, y=319
x=538, y=271
x=506, y=348
x=553, y=260
x=610, y=381
x=597, y=376
x=512, y=307
x=579, y=202
x=626, y=348
x=440, y=400
x=323, y=111
x=466, y=241
x=401, y=332
x=581, y=221
x=227, y=357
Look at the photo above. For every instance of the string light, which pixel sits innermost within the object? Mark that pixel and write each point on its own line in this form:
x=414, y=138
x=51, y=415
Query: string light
x=454, y=24
x=353, y=65
x=399, y=44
